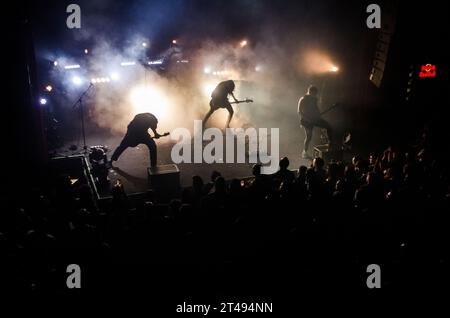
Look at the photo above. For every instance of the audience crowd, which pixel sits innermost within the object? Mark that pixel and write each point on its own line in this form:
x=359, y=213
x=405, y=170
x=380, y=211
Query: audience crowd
x=316, y=225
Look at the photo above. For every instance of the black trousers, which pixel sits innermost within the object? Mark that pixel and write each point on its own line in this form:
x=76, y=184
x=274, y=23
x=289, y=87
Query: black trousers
x=215, y=105
x=309, y=126
x=133, y=141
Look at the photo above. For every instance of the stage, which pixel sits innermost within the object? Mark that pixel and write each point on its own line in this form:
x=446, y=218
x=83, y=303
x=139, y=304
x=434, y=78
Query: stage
x=131, y=168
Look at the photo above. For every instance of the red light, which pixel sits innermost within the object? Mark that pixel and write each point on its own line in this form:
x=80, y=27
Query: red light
x=427, y=70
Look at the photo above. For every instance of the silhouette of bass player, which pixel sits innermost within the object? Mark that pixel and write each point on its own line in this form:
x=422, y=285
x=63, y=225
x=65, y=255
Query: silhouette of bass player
x=310, y=117
x=137, y=133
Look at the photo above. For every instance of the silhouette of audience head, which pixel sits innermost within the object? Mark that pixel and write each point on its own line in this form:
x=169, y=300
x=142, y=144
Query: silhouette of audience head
x=355, y=159
x=220, y=185
x=318, y=164
x=214, y=175
x=302, y=171
x=284, y=163
x=256, y=170
x=197, y=183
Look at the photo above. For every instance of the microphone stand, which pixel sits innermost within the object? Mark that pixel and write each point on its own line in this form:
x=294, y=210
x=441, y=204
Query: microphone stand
x=79, y=102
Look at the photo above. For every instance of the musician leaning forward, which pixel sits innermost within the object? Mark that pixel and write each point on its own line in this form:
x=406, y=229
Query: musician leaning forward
x=137, y=133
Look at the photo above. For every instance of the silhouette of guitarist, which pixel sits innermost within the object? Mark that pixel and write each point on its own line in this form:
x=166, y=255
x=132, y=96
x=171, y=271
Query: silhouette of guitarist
x=137, y=133
x=219, y=99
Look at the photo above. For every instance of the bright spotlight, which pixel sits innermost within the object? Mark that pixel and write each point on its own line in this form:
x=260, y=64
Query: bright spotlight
x=94, y=81
x=144, y=44
x=86, y=51
x=76, y=80
x=243, y=43
x=55, y=63
x=127, y=63
x=258, y=68
x=156, y=62
x=114, y=76
x=42, y=101
x=48, y=88
x=334, y=69
x=70, y=67
x=174, y=41
x=207, y=70
x=149, y=99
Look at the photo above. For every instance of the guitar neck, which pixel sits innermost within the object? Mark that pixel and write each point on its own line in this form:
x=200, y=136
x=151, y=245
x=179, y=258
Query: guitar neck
x=327, y=110
x=242, y=101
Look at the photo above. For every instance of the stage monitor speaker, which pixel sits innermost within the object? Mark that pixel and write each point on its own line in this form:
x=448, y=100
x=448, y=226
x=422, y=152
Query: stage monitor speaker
x=164, y=178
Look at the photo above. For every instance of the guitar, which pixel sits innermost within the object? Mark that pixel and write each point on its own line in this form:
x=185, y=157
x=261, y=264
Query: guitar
x=303, y=121
x=332, y=107
x=243, y=101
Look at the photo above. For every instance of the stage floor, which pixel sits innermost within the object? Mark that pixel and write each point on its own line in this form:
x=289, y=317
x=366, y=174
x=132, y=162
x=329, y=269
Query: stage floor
x=131, y=168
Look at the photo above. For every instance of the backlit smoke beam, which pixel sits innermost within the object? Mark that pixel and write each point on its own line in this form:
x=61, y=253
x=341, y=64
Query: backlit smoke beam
x=186, y=102
x=315, y=61
x=114, y=107
x=185, y=98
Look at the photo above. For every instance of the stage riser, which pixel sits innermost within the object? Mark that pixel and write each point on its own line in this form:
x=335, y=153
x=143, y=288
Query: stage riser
x=164, y=179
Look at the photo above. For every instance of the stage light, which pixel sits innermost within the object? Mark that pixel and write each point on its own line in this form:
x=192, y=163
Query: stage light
x=314, y=61
x=48, y=88
x=55, y=63
x=127, y=63
x=157, y=62
x=174, y=41
x=258, y=68
x=86, y=51
x=77, y=80
x=243, y=43
x=149, y=99
x=144, y=44
x=42, y=101
x=114, y=76
x=94, y=81
x=69, y=67
x=334, y=69
x=207, y=70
